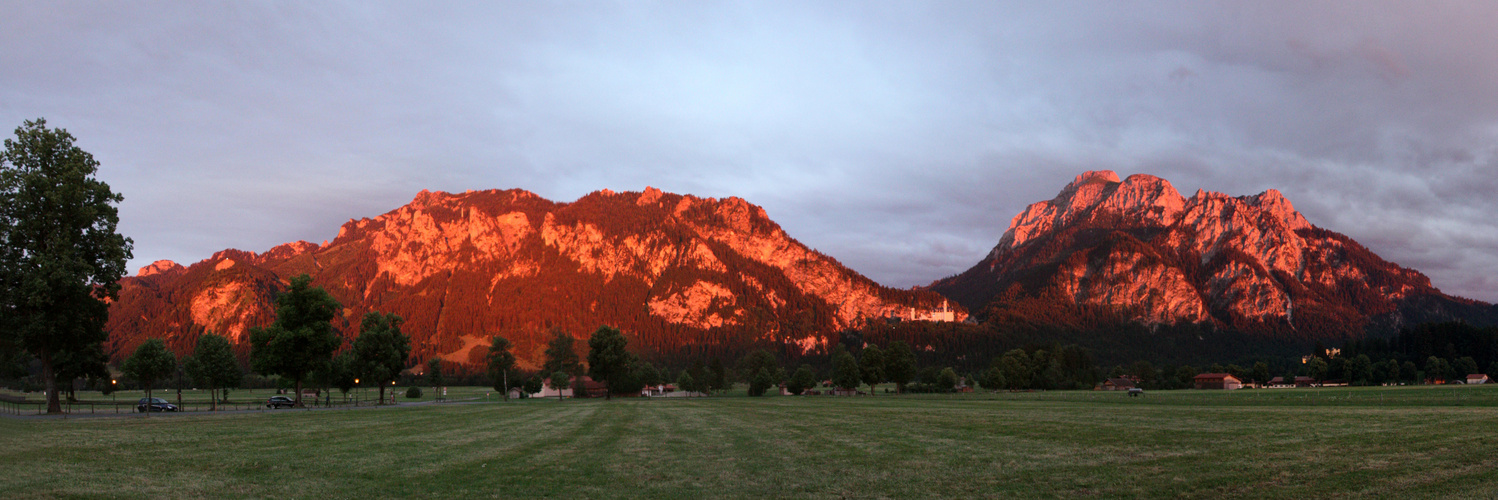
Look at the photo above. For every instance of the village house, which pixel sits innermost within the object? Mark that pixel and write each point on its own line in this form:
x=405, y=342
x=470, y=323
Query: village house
x=1281, y=383
x=1217, y=381
x=1116, y=384
x=583, y=387
x=1477, y=378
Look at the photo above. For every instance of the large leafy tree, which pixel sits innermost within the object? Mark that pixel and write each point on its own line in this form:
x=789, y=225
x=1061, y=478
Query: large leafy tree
x=717, y=375
x=804, y=378
x=434, y=373
x=150, y=362
x=60, y=256
x=501, y=361
x=685, y=381
x=381, y=350
x=899, y=365
x=560, y=356
x=845, y=373
x=700, y=380
x=647, y=374
x=872, y=367
x=608, y=360
x=1017, y=369
x=301, y=340
x=761, y=360
x=947, y=379
x=212, y=364
x=760, y=383
x=343, y=372
x=1316, y=368
x=560, y=381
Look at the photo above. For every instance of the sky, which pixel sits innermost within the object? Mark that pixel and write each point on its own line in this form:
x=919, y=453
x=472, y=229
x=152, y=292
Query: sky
x=897, y=137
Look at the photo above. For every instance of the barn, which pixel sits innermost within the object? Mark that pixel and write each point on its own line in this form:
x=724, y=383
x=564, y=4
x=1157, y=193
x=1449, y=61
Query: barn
x=1217, y=381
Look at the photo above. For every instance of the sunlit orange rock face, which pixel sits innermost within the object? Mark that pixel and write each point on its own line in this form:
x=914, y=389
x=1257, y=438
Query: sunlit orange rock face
x=1139, y=249
x=670, y=270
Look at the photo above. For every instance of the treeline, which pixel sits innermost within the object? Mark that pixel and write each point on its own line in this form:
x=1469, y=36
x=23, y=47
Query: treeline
x=1448, y=351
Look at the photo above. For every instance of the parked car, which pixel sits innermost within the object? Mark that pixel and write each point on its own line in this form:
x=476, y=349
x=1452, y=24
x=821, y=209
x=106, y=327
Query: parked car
x=280, y=402
x=154, y=404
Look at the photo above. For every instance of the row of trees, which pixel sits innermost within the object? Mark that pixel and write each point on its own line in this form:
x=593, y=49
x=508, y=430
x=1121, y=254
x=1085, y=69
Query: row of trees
x=297, y=346
x=1068, y=367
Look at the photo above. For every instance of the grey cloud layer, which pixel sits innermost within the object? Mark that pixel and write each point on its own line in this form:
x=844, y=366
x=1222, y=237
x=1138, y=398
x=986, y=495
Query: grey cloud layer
x=899, y=138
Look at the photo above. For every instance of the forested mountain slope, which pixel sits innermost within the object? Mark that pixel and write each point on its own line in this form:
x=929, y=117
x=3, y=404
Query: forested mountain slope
x=674, y=272
x=1106, y=249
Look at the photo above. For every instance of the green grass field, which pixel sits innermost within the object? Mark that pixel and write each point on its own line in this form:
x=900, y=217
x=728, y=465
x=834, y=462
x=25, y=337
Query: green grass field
x=1403, y=442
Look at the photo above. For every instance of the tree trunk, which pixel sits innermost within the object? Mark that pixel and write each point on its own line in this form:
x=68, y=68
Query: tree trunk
x=50, y=378
x=298, y=393
x=507, y=385
x=382, y=395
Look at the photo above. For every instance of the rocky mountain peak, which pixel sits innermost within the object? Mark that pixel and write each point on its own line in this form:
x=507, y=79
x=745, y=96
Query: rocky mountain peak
x=160, y=267
x=1138, y=248
x=1279, y=207
x=1145, y=198
x=674, y=269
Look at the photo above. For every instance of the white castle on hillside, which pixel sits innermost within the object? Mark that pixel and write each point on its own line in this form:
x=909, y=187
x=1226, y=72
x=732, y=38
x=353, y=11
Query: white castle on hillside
x=945, y=314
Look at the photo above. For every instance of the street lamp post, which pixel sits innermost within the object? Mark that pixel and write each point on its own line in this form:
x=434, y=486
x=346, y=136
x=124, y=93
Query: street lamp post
x=359, y=393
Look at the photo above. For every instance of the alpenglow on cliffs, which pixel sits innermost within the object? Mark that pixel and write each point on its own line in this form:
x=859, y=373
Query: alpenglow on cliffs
x=674, y=271
x=1135, y=248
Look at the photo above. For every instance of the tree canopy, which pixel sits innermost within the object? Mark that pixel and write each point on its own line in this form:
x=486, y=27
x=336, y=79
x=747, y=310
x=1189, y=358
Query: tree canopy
x=761, y=360
x=560, y=381
x=845, y=373
x=150, y=362
x=301, y=340
x=499, y=363
x=381, y=350
x=608, y=360
x=803, y=378
x=60, y=255
x=899, y=364
x=213, y=365
x=434, y=373
x=560, y=356
x=871, y=367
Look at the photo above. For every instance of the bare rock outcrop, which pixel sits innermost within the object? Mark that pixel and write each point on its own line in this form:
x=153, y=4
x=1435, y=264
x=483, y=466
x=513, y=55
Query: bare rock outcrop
x=671, y=270
x=1136, y=247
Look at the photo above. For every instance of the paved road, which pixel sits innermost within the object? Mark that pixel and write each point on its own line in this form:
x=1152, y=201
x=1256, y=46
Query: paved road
x=133, y=414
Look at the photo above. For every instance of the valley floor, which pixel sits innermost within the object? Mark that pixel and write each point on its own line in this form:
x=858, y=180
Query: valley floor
x=1404, y=442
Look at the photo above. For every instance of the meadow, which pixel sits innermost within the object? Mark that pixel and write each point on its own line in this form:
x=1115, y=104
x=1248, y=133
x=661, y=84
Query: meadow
x=1405, y=442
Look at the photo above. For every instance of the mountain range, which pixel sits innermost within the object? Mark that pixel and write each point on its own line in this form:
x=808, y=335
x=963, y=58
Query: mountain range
x=677, y=272
x=1136, y=249
x=687, y=276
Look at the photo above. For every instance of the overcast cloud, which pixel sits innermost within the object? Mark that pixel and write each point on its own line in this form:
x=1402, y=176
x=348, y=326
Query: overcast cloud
x=899, y=138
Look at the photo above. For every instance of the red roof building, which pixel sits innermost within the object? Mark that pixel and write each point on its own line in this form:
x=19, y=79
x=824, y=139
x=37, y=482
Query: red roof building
x=1217, y=381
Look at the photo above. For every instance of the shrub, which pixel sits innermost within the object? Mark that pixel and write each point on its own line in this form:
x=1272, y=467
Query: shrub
x=413, y=393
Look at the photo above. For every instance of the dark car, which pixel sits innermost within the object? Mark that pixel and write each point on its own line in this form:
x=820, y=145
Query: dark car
x=280, y=402
x=154, y=404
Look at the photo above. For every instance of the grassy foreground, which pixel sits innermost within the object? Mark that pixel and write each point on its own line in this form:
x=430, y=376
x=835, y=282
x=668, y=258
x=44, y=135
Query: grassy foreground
x=1417, y=442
